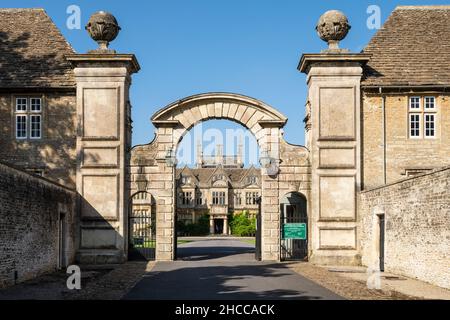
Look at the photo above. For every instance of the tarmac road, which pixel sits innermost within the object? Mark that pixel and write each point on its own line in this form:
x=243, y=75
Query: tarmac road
x=224, y=269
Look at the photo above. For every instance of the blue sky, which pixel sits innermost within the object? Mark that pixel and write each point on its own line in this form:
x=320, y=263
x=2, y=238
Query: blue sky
x=187, y=47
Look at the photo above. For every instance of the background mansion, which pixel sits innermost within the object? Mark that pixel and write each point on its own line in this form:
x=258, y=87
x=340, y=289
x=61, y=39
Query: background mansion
x=218, y=186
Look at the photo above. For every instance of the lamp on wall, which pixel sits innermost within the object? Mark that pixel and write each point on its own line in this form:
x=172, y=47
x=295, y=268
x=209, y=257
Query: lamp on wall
x=170, y=158
x=269, y=163
x=265, y=160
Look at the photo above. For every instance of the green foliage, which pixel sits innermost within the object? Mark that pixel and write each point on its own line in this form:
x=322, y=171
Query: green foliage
x=242, y=225
x=200, y=228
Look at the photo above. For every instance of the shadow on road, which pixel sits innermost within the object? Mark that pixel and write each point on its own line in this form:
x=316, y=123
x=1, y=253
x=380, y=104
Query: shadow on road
x=208, y=253
x=257, y=281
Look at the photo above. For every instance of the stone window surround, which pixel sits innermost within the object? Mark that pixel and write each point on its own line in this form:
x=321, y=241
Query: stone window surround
x=199, y=198
x=185, y=198
x=29, y=114
x=422, y=111
x=218, y=198
x=251, y=197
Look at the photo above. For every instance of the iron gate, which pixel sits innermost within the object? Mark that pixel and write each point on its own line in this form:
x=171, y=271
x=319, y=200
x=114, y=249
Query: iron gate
x=142, y=244
x=293, y=211
x=258, y=232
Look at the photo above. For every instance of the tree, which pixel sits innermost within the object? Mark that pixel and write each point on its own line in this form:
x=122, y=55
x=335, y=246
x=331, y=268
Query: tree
x=242, y=225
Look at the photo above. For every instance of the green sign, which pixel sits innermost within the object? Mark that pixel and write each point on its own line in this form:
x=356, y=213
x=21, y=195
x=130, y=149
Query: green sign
x=294, y=231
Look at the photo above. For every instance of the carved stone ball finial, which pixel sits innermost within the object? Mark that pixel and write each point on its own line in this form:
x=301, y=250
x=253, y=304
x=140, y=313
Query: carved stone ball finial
x=103, y=28
x=332, y=27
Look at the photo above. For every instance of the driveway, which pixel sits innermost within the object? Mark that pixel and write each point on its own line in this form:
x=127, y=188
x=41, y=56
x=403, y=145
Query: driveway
x=223, y=269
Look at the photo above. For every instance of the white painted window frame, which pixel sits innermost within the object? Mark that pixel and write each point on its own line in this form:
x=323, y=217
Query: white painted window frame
x=425, y=103
x=419, y=115
x=31, y=126
x=17, y=103
x=28, y=113
x=425, y=125
x=411, y=109
x=31, y=104
x=17, y=123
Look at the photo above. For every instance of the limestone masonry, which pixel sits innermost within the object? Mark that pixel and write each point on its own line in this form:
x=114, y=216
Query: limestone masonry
x=371, y=184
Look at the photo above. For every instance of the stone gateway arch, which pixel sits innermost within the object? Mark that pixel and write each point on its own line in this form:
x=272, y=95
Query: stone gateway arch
x=152, y=171
x=327, y=174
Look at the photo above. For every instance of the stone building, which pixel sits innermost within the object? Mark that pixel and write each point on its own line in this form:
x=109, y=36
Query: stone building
x=37, y=96
x=372, y=118
x=406, y=101
x=219, y=186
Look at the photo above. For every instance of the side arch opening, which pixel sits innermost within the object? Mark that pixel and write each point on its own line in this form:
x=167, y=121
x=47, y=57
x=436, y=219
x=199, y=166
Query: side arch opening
x=294, y=227
x=142, y=227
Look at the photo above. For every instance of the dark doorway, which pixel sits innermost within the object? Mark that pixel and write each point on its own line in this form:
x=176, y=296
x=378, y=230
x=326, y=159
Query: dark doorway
x=294, y=215
x=381, y=244
x=62, y=241
x=218, y=226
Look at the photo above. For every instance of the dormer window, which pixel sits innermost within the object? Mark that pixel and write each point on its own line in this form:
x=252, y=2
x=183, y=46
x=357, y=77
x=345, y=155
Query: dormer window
x=185, y=180
x=251, y=180
x=218, y=177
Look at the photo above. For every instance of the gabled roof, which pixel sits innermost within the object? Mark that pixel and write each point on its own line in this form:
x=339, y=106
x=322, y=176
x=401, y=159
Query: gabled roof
x=218, y=170
x=32, y=51
x=251, y=171
x=187, y=172
x=234, y=175
x=411, y=49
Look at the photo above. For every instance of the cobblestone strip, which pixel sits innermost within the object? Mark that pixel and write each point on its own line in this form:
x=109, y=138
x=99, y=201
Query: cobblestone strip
x=115, y=284
x=345, y=287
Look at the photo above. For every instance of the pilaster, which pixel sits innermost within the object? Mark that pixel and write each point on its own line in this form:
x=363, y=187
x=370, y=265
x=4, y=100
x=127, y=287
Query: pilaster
x=334, y=98
x=103, y=145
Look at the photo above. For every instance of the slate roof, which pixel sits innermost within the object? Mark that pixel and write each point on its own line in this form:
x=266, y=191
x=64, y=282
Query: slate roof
x=411, y=49
x=32, y=51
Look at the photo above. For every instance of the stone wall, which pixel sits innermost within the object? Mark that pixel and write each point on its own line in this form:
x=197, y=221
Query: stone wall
x=32, y=212
x=417, y=227
x=402, y=152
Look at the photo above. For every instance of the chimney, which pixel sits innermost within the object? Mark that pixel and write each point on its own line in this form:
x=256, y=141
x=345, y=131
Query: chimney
x=199, y=162
x=219, y=154
x=240, y=153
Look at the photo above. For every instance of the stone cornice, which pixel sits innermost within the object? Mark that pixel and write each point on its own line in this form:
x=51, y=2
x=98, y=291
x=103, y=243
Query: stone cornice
x=308, y=59
x=86, y=59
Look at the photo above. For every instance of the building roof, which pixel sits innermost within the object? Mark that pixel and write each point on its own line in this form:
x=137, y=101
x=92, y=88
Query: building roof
x=411, y=49
x=32, y=51
x=235, y=174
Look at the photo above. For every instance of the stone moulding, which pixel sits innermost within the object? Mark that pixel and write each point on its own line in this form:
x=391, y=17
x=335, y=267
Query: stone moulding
x=164, y=115
x=308, y=59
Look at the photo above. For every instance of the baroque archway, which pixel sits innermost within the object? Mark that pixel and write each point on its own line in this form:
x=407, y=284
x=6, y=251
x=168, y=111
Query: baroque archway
x=152, y=171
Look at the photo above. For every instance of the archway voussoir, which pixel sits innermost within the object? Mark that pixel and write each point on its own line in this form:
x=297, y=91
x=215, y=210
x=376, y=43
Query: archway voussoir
x=233, y=110
x=247, y=115
x=218, y=109
x=211, y=112
x=240, y=112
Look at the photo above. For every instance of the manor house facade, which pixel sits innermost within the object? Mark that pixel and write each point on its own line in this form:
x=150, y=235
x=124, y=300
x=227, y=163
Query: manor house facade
x=219, y=186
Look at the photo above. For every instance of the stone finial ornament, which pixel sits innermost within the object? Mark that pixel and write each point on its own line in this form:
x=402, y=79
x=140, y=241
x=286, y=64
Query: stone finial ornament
x=332, y=27
x=103, y=28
